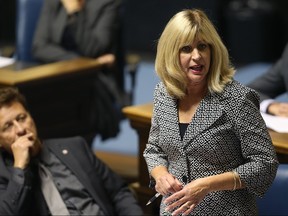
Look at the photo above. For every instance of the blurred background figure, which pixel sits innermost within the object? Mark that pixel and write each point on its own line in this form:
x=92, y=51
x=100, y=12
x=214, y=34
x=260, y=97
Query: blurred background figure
x=272, y=84
x=75, y=28
x=70, y=29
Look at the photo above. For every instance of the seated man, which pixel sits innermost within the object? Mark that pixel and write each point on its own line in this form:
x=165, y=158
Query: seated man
x=86, y=186
x=272, y=84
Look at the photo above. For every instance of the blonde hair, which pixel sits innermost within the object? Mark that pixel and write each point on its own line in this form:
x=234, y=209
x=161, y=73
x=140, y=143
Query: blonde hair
x=181, y=30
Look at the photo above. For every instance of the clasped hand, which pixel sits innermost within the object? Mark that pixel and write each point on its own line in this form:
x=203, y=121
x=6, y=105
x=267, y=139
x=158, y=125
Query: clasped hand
x=73, y=6
x=21, y=150
x=184, y=198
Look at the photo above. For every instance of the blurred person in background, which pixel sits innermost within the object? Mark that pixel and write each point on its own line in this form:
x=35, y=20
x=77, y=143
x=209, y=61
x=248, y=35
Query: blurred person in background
x=69, y=29
x=272, y=84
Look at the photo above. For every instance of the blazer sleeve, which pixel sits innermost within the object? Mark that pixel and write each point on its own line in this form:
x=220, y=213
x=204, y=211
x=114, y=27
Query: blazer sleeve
x=275, y=81
x=153, y=154
x=260, y=161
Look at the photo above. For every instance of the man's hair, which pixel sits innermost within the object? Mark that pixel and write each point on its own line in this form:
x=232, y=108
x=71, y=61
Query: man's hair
x=9, y=95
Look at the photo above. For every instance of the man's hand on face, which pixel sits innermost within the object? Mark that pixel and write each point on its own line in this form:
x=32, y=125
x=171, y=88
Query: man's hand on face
x=21, y=150
x=73, y=6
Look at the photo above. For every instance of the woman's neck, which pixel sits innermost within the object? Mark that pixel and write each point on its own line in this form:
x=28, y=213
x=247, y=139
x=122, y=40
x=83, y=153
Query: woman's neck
x=188, y=105
x=195, y=93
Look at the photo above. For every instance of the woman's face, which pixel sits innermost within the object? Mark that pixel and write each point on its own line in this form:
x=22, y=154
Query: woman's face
x=195, y=61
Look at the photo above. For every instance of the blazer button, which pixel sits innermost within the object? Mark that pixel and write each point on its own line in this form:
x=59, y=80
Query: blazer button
x=184, y=179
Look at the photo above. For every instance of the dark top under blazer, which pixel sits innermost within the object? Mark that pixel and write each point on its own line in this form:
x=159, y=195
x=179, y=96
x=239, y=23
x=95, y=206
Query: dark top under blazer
x=275, y=81
x=108, y=190
x=226, y=133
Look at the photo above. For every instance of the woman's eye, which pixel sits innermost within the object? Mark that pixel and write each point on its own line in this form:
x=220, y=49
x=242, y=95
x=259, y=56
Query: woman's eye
x=202, y=46
x=186, y=49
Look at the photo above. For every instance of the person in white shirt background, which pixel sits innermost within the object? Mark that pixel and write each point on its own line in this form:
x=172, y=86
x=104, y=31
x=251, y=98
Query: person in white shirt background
x=272, y=84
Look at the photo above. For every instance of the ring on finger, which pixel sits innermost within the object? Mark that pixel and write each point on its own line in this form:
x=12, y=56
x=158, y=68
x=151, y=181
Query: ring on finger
x=187, y=205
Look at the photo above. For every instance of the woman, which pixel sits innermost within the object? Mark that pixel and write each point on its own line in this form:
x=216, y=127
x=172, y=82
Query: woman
x=209, y=151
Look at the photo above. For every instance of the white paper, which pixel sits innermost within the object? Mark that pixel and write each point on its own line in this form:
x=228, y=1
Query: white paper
x=4, y=61
x=276, y=123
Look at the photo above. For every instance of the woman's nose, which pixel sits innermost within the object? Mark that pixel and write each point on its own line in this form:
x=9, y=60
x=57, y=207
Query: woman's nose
x=195, y=54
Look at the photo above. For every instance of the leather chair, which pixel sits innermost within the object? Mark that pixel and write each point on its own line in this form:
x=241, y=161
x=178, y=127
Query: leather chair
x=275, y=201
x=27, y=14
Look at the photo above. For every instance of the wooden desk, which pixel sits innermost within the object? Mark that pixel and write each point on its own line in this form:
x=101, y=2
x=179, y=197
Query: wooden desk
x=59, y=94
x=11, y=76
x=124, y=165
x=140, y=120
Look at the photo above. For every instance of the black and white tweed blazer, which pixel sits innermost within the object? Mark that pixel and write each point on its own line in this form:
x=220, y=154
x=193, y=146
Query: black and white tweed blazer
x=227, y=133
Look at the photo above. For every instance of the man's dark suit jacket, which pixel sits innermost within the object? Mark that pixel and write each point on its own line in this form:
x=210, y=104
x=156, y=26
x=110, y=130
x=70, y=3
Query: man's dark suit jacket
x=96, y=34
x=98, y=22
x=108, y=189
x=275, y=81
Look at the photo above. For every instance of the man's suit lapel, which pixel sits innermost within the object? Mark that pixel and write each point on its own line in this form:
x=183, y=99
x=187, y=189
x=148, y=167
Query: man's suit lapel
x=65, y=154
x=59, y=25
x=92, y=10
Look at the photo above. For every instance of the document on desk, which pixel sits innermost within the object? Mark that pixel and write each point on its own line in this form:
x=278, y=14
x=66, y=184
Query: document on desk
x=4, y=61
x=276, y=123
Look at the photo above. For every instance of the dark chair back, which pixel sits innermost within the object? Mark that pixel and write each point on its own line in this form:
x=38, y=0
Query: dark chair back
x=275, y=201
x=27, y=14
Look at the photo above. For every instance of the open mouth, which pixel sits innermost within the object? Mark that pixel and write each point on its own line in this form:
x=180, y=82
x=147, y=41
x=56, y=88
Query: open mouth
x=196, y=68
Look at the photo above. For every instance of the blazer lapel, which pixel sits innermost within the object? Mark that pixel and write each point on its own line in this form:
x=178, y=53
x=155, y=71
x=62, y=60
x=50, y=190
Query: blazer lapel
x=208, y=112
